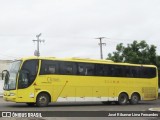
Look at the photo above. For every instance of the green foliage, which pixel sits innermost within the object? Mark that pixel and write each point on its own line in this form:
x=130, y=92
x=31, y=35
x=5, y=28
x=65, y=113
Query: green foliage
x=137, y=52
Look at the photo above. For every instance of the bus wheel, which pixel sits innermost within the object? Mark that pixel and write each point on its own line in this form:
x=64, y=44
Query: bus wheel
x=123, y=99
x=30, y=104
x=134, y=99
x=42, y=100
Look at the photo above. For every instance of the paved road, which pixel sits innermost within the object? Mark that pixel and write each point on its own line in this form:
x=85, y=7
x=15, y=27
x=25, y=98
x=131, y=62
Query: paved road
x=86, y=106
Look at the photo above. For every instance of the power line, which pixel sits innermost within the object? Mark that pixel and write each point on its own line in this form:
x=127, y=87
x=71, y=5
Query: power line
x=37, y=52
x=101, y=44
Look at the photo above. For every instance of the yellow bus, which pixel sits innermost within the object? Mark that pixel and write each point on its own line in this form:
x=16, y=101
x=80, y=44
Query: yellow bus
x=41, y=80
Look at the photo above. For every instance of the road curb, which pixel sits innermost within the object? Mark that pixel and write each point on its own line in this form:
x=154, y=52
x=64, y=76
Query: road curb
x=154, y=109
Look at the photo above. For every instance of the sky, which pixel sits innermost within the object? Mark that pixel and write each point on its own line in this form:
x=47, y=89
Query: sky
x=69, y=27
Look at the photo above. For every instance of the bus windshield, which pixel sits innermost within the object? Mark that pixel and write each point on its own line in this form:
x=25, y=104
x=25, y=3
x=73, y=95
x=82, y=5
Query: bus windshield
x=10, y=79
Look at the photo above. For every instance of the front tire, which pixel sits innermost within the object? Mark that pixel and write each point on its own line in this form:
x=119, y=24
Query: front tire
x=42, y=100
x=123, y=99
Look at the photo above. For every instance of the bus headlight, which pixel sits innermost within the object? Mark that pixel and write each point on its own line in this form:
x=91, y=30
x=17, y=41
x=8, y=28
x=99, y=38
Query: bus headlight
x=12, y=94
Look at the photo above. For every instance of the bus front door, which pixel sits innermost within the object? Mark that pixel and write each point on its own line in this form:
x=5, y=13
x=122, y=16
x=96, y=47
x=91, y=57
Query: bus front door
x=25, y=91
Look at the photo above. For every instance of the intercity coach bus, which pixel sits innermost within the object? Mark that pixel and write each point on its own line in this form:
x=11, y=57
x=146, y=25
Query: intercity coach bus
x=41, y=80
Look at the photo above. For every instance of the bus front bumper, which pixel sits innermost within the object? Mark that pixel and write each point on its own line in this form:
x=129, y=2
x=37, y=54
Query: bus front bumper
x=9, y=96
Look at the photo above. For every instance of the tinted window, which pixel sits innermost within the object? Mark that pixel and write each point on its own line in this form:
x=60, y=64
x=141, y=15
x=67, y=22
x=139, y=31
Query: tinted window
x=135, y=72
x=31, y=66
x=81, y=69
x=68, y=68
x=85, y=69
x=152, y=72
x=118, y=71
x=127, y=71
x=100, y=70
x=89, y=69
x=107, y=71
x=49, y=67
x=148, y=72
x=113, y=70
x=28, y=74
x=92, y=69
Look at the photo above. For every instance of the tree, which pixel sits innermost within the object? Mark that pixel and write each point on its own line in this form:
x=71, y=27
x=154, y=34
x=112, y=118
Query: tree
x=138, y=53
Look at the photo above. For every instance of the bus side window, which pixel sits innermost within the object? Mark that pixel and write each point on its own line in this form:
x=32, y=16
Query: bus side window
x=127, y=71
x=107, y=72
x=89, y=71
x=81, y=70
x=111, y=70
x=148, y=72
x=135, y=72
x=144, y=72
x=49, y=67
x=118, y=71
x=68, y=68
x=31, y=66
x=25, y=80
x=99, y=70
x=152, y=72
x=85, y=69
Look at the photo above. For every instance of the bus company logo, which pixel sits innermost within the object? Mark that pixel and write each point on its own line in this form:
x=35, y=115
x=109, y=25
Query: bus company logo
x=6, y=114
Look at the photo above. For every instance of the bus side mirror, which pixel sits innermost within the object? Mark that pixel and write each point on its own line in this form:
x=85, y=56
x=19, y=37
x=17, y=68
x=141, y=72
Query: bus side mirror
x=4, y=73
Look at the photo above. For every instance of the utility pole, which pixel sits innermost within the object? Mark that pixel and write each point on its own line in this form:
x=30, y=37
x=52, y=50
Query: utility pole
x=101, y=44
x=37, y=52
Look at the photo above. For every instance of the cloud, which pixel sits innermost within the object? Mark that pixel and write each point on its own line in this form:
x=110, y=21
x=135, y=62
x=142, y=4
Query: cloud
x=69, y=27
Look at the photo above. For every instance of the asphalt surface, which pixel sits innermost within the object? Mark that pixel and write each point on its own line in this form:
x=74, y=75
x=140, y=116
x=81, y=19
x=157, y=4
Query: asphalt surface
x=85, y=106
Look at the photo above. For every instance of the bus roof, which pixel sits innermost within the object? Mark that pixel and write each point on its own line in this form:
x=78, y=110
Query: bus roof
x=88, y=60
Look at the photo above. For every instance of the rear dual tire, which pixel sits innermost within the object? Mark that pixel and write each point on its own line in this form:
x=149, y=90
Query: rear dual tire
x=134, y=99
x=123, y=99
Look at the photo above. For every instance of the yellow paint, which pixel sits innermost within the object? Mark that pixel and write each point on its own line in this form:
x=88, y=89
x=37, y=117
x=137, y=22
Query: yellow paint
x=85, y=86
